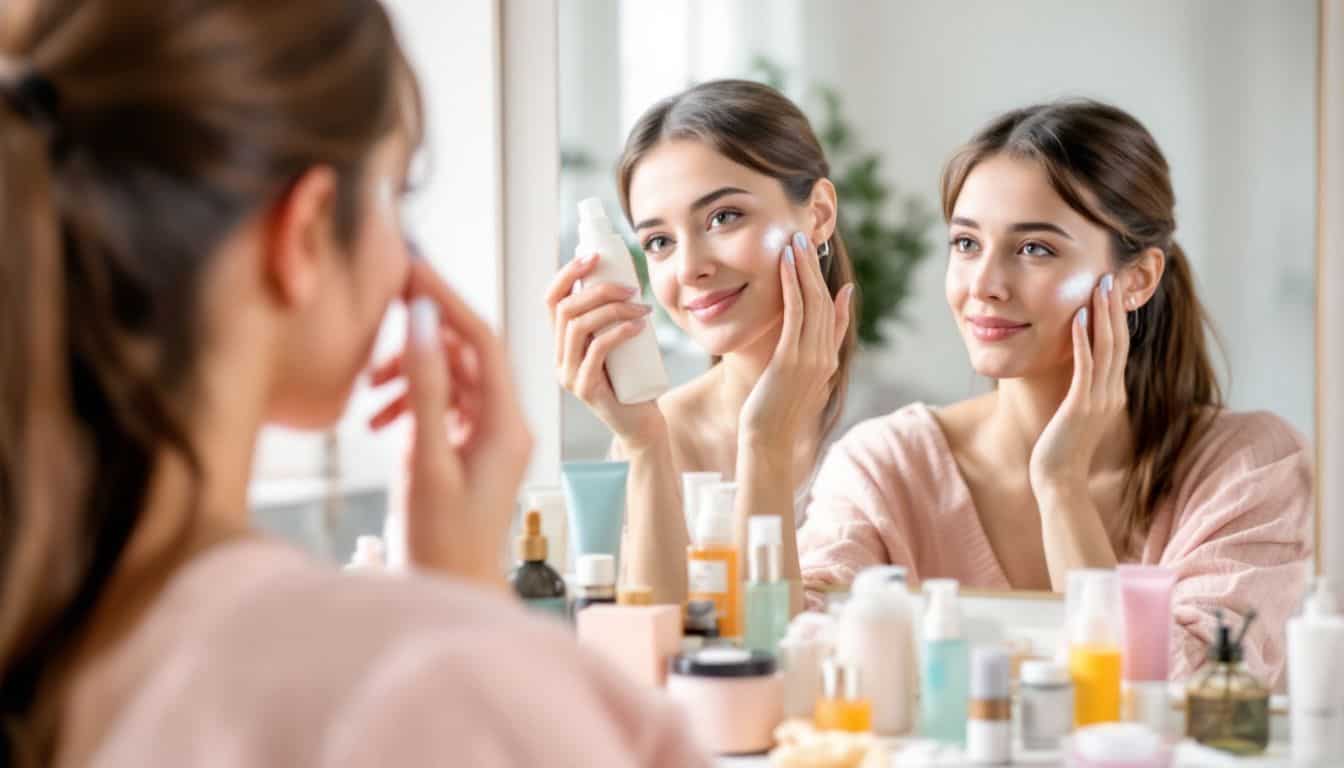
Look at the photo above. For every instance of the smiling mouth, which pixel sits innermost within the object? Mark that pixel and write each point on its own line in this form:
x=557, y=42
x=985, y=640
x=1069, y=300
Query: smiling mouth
x=710, y=307
x=994, y=329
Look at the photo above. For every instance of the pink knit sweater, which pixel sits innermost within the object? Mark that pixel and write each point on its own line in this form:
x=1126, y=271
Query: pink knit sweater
x=255, y=655
x=1237, y=530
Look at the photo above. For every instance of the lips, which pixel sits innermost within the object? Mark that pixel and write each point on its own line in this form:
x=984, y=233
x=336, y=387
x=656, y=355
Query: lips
x=711, y=305
x=987, y=328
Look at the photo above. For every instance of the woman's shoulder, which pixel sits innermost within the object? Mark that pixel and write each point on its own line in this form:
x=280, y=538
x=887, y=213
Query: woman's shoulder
x=913, y=429
x=308, y=647
x=1245, y=439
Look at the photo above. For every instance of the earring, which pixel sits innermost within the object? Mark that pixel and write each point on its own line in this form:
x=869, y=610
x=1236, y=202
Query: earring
x=824, y=249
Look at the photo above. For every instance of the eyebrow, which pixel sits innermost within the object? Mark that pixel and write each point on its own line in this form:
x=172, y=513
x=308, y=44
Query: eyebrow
x=1021, y=226
x=700, y=202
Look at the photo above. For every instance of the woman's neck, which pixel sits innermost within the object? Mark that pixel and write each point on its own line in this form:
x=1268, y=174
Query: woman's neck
x=1023, y=407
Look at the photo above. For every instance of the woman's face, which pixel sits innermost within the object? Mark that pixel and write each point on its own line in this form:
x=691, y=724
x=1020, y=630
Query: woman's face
x=713, y=232
x=1021, y=263
x=333, y=335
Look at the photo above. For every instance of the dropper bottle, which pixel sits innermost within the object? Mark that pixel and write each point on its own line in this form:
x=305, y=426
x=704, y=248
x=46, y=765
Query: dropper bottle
x=1227, y=707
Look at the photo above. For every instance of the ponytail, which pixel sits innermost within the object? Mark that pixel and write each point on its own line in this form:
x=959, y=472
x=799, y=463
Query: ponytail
x=1171, y=387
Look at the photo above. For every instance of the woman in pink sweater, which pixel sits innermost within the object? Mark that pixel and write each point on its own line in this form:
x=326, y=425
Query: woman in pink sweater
x=199, y=201
x=1105, y=439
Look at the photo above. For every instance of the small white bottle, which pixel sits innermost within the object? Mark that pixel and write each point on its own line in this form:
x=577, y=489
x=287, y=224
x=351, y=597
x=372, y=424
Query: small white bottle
x=635, y=368
x=691, y=483
x=1315, y=670
x=370, y=555
x=876, y=630
x=989, y=729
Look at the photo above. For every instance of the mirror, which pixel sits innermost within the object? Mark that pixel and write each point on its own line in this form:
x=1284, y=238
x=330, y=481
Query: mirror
x=1228, y=89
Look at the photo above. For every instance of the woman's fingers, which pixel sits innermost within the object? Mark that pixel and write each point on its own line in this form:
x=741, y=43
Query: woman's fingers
x=580, y=332
x=590, y=380
x=1120, y=355
x=1080, y=387
x=562, y=285
x=571, y=308
x=844, y=310
x=1103, y=337
x=787, y=346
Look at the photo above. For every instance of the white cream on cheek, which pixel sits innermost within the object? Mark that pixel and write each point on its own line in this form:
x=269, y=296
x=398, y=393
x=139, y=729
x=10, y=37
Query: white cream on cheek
x=774, y=239
x=1077, y=288
x=386, y=197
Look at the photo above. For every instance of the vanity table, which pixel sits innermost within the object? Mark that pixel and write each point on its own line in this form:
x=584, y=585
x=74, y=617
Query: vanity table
x=1188, y=755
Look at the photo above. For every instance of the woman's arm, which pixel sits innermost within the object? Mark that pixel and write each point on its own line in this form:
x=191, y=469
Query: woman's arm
x=655, y=538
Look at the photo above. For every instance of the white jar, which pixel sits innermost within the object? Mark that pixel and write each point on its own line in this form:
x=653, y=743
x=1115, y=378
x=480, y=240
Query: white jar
x=1045, y=693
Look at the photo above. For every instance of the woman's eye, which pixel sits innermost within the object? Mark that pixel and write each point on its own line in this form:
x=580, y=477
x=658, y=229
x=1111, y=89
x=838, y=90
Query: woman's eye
x=723, y=217
x=963, y=244
x=655, y=244
x=1036, y=249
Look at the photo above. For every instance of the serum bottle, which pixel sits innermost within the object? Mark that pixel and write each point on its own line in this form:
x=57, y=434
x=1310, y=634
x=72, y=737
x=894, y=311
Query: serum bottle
x=766, y=597
x=537, y=583
x=711, y=561
x=945, y=680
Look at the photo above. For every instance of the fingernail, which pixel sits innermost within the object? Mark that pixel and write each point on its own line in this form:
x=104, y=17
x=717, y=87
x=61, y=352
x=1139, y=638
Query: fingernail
x=630, y=290
x=1107, y=283
x=638, y=323
x=788, y=253
x=425, y=321
x=1082, y=317
x=800, y=241
x=645, y=309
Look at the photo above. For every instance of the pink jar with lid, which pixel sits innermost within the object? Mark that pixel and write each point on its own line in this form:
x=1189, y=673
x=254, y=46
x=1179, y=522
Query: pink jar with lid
x=733, y=698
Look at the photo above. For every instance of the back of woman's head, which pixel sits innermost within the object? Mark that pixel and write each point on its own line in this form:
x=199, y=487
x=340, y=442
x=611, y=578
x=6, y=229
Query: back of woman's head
x=1103, y=162
x=135, y=136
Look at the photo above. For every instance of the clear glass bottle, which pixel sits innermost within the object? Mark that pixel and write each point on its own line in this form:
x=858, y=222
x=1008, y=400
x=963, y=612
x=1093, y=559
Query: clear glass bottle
x=766, y=598
x=1227, y=708
x=842, y=707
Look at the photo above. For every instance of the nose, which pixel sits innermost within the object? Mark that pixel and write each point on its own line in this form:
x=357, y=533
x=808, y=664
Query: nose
x=989, y=278
x=695, y=262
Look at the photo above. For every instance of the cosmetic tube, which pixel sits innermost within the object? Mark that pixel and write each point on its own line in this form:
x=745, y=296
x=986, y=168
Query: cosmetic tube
x=1145, y=598
x=595, y=501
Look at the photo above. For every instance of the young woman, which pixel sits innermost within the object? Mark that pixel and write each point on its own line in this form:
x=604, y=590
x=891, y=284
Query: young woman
x=199, y=202
x=726, y=189
x=1106, y=439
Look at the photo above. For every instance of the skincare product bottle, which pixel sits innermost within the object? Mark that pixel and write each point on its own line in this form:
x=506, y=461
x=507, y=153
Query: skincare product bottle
x=550, y=502
x=701, y=626
x=369, y=555
x=1119, y=745
x=730, y=697
x=1094, y=646
x=691, y=483
x=876, y=631
x=1316, y=680
x=989, y=732
x=1045, y=696
x=766, y=598
x=808, y=643
x=1226, y=707
x=945, y=675
x=842, y=706
x=711, y=561
x=596, y=580
x=1145, y=596
x=537, y=583
x=635, y=367
x=595, y=503
x=635, y=635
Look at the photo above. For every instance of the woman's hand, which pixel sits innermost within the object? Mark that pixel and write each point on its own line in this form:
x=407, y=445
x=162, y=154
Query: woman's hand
x=588, y=326
x=471, y=444
x=796, y=384
x=1062, y=457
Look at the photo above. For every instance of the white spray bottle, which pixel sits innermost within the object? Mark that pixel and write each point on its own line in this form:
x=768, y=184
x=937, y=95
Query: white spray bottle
x=635, y=367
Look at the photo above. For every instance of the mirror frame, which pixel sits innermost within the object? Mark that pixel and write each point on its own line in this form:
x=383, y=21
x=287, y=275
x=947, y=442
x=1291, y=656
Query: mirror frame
x=528, y=104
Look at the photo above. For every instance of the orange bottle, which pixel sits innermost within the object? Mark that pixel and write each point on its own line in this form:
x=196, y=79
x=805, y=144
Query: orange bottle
x=841, y=707
x=711, y=560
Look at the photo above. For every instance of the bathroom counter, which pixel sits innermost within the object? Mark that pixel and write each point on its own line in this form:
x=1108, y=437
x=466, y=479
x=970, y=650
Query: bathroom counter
x=1188, y=755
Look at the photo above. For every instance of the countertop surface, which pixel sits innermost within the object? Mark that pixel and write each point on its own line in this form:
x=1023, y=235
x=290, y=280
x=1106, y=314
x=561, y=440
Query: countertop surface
x=1187, y=755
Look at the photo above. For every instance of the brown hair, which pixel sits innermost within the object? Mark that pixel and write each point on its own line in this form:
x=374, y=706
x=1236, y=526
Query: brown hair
x=135, y=136
x=755, y=126
x=1107, y=166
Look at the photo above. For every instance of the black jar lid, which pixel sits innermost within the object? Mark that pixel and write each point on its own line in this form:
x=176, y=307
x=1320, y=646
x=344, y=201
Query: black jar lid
x=723, y=662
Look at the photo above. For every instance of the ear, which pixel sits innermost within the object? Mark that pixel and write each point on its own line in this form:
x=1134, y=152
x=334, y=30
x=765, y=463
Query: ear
x=824, y=210
x=1139, y=280
x=301, y=237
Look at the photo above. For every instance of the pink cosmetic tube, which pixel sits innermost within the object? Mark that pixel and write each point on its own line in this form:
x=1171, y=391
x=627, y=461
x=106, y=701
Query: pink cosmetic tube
x=1145, y=598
